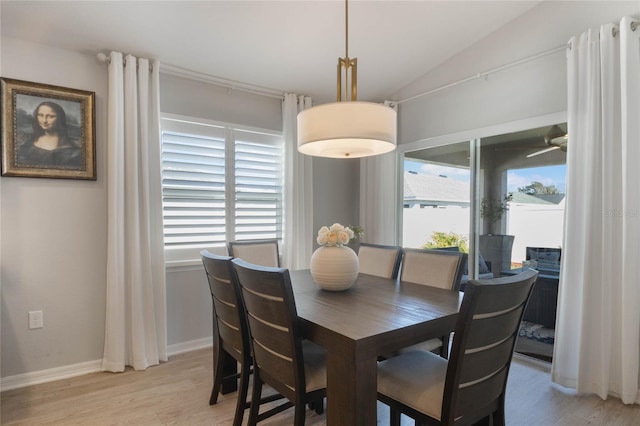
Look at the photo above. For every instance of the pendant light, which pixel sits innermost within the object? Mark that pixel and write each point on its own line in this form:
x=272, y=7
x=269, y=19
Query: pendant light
x=349, y=129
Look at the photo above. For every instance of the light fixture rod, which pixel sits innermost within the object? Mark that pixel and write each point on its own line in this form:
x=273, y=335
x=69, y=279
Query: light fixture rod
x=347, y=64
x=346, y=29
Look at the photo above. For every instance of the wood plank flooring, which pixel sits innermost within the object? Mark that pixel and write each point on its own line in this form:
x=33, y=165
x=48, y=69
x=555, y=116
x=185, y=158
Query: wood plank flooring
x=177, y=393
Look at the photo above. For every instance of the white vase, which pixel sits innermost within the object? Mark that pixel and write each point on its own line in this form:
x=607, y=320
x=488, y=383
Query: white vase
x=334, y=268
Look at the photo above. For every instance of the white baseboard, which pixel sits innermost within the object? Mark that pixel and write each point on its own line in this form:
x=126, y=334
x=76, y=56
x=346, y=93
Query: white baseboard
x=192, y=345
x=533, y=361
x=49, y=375
x=74, y=370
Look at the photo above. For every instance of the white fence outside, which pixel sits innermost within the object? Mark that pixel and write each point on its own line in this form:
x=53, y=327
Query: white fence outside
x=534, y=225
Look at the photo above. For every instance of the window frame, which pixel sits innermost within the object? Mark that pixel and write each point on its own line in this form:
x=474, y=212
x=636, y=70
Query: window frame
x=231, y=132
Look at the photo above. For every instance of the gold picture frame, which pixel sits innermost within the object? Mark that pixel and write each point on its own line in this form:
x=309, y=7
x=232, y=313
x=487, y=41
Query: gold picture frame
x=47, y=131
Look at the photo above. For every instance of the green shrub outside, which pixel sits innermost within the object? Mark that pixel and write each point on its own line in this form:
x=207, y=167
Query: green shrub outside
x=447, y=239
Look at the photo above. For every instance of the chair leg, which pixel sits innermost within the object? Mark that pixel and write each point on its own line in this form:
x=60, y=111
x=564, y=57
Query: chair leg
x=497, y=416
x=242, y=395
x=300, y=413
x=217, y=373
x=394, y=417
x=485, y=421
x=317, y=404
x=444, y=349
x=255, y=400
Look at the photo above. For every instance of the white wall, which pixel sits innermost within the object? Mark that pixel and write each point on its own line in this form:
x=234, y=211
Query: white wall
x=336, y=192
x=199, y=99
x=53, y=232
x=528, y=90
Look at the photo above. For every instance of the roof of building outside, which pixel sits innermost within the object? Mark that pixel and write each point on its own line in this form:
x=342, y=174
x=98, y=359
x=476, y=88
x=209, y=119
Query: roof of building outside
x=442, y=190
x=521, y=197
x=424, y=187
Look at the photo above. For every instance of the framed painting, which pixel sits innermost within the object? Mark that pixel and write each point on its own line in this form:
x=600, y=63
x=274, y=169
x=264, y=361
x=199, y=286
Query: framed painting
x=47, y=131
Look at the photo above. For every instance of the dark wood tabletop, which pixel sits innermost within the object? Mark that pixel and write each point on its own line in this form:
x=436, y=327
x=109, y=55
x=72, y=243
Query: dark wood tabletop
x=376, y=316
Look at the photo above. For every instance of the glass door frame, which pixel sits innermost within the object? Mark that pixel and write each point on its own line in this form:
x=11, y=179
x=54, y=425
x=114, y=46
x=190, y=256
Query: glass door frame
x=474, y=137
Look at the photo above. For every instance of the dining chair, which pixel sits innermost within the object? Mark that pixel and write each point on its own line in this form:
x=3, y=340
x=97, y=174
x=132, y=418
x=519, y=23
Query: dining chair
x=379, y=260
x=435, y=268
x=471, y=385
x=294, y=367
x=230, y=329
x=258, y=252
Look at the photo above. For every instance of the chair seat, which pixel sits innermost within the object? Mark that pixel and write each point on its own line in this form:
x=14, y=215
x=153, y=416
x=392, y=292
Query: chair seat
x=427, y=346
x=415, y=379
x=315, y=365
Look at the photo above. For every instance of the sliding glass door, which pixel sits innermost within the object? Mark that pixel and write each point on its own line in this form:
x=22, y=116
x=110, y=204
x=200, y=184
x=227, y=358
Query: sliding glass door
x=501, y=199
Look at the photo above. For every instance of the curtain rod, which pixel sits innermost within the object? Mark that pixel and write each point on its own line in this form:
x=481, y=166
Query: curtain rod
x=277, y=94
x=229, y=84
x=482, y=74
x=206, y=78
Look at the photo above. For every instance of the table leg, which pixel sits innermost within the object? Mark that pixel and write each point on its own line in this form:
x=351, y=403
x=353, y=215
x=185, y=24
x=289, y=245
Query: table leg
x=351, y=390
x=230, y=368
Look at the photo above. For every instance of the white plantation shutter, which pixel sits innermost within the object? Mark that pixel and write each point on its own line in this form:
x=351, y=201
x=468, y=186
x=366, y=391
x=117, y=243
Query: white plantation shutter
x=258, y=186
x=219, y=183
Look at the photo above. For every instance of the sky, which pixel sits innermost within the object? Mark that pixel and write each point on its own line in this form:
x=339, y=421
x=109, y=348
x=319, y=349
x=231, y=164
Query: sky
x=516, y=178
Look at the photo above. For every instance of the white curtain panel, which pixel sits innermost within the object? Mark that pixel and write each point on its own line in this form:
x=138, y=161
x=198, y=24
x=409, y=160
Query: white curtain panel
x=135, y=326
x=378, y=198
x=597, y=346
x=298, y=209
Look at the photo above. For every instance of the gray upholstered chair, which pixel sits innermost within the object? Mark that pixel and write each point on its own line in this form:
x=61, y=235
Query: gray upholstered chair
x=435, y=268
x=471, y=386
x=258, y=252
x=294, y=367
x=379, y=260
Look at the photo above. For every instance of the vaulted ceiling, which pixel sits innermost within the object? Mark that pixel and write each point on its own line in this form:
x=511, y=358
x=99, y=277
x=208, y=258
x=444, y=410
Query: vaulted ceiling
x=287, y=46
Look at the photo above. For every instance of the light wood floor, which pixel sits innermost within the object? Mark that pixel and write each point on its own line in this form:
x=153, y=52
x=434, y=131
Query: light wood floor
x=177, y=393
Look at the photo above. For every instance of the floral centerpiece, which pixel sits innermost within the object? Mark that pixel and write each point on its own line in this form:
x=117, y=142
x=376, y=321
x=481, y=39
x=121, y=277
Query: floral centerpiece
x=336, y=235
x=334, y=266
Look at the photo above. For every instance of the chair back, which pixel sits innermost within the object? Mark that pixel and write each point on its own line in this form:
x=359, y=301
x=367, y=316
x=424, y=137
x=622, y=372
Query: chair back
x=273, y=327
x=379, y=260
x=483, y=344
x=257, y=252
x=229, y=323
x=435, y=268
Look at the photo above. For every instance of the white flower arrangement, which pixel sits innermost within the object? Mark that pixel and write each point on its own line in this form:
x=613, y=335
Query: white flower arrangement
x=335, y=235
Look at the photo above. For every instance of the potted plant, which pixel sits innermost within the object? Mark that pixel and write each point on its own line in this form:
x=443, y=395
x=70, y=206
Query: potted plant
x=496, y=248
x=492, y=210
x=358, y=233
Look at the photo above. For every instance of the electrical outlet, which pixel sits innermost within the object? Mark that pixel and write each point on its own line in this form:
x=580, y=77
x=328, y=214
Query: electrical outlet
x=36, y=320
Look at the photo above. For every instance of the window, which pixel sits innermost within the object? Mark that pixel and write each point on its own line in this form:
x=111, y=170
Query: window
x=219, y=182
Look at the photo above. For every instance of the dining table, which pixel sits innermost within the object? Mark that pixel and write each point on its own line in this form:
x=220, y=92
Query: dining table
x=374, y=317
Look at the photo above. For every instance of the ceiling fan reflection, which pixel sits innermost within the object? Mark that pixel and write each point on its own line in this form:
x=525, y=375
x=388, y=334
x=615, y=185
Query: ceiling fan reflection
x=556, y=138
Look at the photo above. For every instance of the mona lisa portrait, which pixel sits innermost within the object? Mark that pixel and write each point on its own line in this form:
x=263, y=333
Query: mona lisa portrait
x=47, y=131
